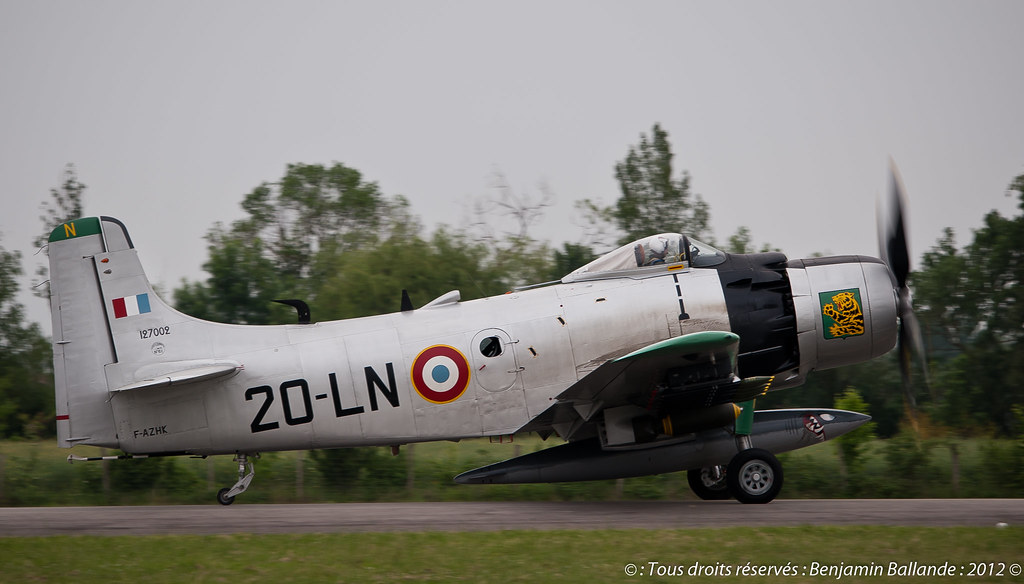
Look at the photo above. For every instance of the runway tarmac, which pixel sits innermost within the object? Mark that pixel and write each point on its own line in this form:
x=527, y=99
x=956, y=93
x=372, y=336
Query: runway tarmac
x=486, y=516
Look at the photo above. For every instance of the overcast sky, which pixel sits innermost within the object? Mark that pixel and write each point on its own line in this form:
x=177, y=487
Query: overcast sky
x=784, y=113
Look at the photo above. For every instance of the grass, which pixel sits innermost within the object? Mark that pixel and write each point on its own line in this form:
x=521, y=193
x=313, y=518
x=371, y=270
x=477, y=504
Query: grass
x=36, y=473
x=508, y=556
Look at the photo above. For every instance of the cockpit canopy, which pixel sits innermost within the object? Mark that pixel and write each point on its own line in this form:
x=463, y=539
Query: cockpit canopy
x=650, y=256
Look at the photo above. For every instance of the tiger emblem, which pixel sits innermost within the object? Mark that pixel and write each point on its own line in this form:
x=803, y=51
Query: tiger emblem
x=846, y=314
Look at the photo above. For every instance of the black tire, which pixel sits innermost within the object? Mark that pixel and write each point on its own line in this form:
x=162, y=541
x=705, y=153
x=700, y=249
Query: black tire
x=222, y=497
x=705, y=487
x=754, y=476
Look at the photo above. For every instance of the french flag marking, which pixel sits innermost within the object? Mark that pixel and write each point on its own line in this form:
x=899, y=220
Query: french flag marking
x=131, y=305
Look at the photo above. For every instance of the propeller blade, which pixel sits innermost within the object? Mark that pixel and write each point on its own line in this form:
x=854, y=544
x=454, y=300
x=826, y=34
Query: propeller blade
x=892, y=232
x=895, y=252
x=906, y=347
x=910, y=331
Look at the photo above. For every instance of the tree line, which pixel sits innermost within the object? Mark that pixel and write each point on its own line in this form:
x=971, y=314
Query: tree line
x=328, y=235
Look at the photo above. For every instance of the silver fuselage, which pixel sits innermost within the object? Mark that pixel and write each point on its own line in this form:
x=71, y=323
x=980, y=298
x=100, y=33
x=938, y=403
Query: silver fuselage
x=135, y=374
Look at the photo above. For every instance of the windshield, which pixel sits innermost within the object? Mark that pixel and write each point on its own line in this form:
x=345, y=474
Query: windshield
x=703, y=255
x=653, y=254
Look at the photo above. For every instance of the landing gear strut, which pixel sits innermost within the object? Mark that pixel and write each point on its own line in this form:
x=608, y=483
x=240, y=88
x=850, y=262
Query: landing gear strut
x=226, y=496
x=754, y=475
x=709, y=483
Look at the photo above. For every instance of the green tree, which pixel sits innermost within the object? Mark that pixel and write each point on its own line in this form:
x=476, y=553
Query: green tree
x=743, y=242
x=243, y=283
x=26, y=366
x=369, y=280
x=569, y=258
x=313, y=212
x=64, y=205
x=908, y=465
x=652, y=199
x=500, y=226
x=853, y=444
x=312, y=206
x=972, y=306
x=941, y=291
x=344, y=469
x=517, y=262
x=598, y=223
x=26, y=378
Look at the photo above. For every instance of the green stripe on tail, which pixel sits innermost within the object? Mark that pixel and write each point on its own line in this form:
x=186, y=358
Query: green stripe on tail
x=77, y=228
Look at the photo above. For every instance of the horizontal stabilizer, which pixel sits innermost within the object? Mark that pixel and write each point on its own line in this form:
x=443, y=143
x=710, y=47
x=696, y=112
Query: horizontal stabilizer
x=190, y=372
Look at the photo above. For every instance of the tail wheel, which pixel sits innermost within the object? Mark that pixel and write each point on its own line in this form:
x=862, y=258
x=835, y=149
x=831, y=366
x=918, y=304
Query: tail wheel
x=706, y=486
x=223, y=498
x=754, y=476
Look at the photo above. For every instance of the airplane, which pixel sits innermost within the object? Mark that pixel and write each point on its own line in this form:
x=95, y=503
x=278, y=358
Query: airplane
x=646, y=360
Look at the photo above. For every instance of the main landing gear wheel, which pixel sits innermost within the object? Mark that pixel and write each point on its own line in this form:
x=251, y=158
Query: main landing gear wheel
x=754, y=476
x=708, y=483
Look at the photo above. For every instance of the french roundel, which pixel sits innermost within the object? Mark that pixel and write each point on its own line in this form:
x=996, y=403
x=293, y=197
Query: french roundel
x=440, y=374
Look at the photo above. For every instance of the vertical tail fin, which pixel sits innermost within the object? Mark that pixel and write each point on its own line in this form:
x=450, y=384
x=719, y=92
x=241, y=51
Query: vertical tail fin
x=100, y=300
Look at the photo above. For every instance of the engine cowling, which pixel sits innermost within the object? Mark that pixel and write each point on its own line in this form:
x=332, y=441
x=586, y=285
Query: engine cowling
x=845, y=308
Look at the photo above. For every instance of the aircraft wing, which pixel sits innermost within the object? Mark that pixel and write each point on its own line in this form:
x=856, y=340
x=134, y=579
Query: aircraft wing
x=691, y=371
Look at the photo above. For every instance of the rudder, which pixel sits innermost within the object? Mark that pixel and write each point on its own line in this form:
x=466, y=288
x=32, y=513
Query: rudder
x=100, y=299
